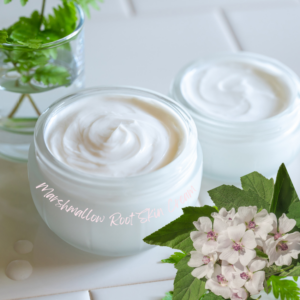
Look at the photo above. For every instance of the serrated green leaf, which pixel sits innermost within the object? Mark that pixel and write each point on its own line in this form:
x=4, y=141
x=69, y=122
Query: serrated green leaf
x=284, y=289
x=292, y=272
x=86, y=4
x=284, y=193
x=186, y=286
x=174, y=258
x=177, y=233
x=169, y=296
x=52, y=75
x=229, y=196
x=3, y=36
x=260, y=185
x=261, y=254
x=294, y=212
x=211, y=296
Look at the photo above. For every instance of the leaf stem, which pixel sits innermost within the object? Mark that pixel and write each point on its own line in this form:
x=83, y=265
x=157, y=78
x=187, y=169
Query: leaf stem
x=33, y=104
x=42, y=14
x=14, y=110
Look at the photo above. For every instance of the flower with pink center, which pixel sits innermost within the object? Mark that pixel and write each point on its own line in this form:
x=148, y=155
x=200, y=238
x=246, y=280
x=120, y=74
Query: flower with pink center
x=260, y=223
x=252, y=277
x=282, y=247
x=205, y=239
x=204, y=264
x=220, y=282
x=237, y=244
x=239, y=294
x=225, y=216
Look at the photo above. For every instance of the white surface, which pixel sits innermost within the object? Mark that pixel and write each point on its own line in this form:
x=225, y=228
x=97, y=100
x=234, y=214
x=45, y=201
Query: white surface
x=84, y=295
x=146, y=49
x=151, y=291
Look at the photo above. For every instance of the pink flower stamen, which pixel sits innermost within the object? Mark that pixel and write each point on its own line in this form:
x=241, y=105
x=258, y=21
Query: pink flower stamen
x=277, y=236
x=206, y=260
x=282, y=246
x=245, y=276
x=211, y=235
x=237, y=246
x=251, y=225
x=221, y=279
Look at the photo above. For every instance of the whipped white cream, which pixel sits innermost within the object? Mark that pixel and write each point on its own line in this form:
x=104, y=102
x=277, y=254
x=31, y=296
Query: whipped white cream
x=115, y=136
x=236, y=91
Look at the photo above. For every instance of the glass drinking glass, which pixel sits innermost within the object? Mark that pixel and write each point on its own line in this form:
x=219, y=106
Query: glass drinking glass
x=25, y=93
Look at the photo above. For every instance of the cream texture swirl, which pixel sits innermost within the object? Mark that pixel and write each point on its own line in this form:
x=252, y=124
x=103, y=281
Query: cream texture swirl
x=235, y=91
x=115, y=136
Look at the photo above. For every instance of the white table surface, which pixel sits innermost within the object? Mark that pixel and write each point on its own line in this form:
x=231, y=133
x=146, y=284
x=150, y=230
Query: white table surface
x=141, y=43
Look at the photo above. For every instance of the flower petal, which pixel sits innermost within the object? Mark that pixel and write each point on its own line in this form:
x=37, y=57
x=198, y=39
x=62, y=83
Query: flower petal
x=209, y=247
x=247, y=213
x=200, y=272
x=196, y=259
x=236, y=233
x=248, y=240
x=251, y=288
x=230, y=255
x=247, y=256
x=257, y=265
x=217, y=289
x=219, y=225
x=274, y=224
x=257, y=281
x=206, y=224
x=262, y=217
x=286, y=224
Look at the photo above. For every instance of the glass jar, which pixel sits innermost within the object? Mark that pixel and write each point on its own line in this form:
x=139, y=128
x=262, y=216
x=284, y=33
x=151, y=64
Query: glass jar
x=232, y=149
x=23, y=96
x=111, y=216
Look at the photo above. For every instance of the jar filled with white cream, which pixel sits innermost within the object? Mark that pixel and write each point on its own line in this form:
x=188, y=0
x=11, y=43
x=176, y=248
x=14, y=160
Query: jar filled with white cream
x=247, y=111
x=111, y=165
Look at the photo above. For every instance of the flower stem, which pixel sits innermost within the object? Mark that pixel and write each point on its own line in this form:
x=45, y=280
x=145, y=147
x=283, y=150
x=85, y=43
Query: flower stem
x=42, y=14
x=14, y=110
x=33, y=104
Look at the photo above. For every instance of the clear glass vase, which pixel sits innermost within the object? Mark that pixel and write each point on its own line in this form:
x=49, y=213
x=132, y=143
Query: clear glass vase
x=24, y=94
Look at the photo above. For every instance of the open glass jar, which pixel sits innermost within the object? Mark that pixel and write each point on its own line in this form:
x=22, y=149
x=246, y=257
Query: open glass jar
x=233, y=148
x=30, y=80
x=110, y=215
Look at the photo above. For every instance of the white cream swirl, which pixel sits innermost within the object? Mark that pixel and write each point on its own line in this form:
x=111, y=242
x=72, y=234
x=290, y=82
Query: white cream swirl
x=115, y=136
x=235, y=91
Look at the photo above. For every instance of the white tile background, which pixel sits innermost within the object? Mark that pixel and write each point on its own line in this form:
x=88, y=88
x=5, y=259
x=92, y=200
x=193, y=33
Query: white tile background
x=142, y=43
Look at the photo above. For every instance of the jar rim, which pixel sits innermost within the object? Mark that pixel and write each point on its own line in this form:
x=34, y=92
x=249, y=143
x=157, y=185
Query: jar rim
x=45, y=155
x=175, y=90
x=61, y=41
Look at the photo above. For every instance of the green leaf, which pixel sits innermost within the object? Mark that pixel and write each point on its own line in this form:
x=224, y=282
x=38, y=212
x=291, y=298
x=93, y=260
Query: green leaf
x=292, y=272
x=261, y=254
x=3, y=36
x=284, y=289
x=260, y=185
x=211, y=296
x=186, y=286
x=295, y=278
x=284, y=193
x=62, y=22
x=294, y=212
x=52, y=75
x=174, y=258
x=229, y=196
x=85, y=5
x=7, y=1
x=23, y=2
x=177, y=233
x=169, y=296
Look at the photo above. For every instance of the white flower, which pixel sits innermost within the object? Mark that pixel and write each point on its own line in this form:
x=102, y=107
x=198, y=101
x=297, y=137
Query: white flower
x=204, y=264
x=206, y=236
x=260, y=223
x=251, y=277
x=224, y=215
x=239, y=294
x=237, y=244
x=282, y=249
x=220, y=283
x=285, y=225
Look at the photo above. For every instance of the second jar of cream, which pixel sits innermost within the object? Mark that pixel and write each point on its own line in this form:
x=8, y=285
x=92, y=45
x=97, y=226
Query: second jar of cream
x=110, y=166
x=247, y=111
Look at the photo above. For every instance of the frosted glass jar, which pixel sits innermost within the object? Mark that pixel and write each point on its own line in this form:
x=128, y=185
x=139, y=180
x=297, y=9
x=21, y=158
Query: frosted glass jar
x=113, y=214
x=231, y=148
